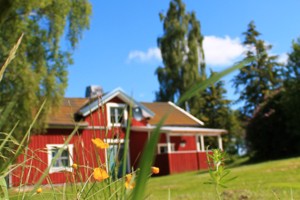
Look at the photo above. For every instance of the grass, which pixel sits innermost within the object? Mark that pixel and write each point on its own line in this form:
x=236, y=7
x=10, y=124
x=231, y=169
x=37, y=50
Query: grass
x=269, y=180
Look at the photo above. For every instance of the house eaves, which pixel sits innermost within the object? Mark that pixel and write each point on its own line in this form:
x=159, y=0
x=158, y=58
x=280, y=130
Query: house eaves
x=181, y=130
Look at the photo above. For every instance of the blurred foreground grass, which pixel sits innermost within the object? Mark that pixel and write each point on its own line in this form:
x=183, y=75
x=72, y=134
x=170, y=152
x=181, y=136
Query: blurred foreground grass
x=269, y=180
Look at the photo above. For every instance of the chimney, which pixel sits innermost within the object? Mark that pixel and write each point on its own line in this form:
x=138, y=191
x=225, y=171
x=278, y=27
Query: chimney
x=93, y=91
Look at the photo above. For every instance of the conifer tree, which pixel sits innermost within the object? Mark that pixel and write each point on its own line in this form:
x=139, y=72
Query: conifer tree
x=293, y=65
x=255, y=81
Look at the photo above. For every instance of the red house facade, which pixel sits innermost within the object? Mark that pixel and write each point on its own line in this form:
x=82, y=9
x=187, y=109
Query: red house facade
x=181, y=146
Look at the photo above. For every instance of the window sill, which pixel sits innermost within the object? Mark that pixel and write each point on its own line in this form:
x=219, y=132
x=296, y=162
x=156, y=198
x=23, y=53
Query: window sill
x=60, y=169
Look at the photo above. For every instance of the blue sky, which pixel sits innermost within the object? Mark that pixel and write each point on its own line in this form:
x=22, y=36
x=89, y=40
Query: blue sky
x=120, y=48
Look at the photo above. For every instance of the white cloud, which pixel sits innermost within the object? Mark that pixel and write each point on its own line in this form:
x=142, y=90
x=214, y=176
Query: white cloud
x=152, y=54
x=283, y=58
x=222, y=51
x=218, y=52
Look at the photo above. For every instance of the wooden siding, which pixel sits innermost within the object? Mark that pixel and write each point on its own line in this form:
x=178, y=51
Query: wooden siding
x=189, y=141
x=183, y=162
x=137, y=142
x=85, y=155
x=174, y=163
x=202, y=158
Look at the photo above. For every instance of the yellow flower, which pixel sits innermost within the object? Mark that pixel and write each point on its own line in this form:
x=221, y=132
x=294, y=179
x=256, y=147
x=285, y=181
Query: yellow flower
x=155, y=170
x=128, y=183
x=74, y=166
x=100, y=174
x=99, y=143
x=128, y=177
x=39, y=190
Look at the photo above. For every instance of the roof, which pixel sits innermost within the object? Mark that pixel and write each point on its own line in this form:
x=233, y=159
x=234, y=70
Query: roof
x=93, y=105
x=177, y=116
x=64, y=115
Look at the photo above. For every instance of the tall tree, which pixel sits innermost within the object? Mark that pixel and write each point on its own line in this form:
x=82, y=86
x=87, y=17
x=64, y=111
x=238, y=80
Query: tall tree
x=184, y=66
x=215, y=107
x=293, y=65
x=182, y=53
x=216, y=113
x=256, y=80
x=40, y=70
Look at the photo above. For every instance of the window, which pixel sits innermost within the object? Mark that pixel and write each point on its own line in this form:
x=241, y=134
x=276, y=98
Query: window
x=117, y=114
x=163, y=148
x=64, y=161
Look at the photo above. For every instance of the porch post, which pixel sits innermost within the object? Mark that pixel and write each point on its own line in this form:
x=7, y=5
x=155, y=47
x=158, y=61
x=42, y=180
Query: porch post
x=220, y=142
x=169, y=143
x=197, y=143
x=202, y=143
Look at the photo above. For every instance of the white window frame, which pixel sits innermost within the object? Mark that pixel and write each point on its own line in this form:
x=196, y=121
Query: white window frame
x=125, y=114
x=59, y=169
x=166, y=146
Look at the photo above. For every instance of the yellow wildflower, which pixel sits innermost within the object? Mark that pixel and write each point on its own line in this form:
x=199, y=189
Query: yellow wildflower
x=155, y=170
x=39, y=190
x=128, y=183
x=99, y=143
x=75, y=166
x=100, y=174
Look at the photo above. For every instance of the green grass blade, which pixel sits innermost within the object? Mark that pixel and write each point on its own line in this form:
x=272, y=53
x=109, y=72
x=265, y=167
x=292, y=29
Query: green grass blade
x=24, y=140
x=147, y=161
x=216, y=77
x=125, y=154
x=10, y=57
x=4, y=188
x=8, y=137
x=7, y=110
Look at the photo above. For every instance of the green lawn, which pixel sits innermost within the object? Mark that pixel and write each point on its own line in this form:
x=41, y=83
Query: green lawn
x=268, y=180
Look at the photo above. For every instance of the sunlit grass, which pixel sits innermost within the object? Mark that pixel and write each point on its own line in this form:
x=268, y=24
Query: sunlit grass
x=269, y=180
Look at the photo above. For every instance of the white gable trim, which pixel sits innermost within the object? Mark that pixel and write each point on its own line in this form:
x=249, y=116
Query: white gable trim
x=186, y=113
x=107, y=97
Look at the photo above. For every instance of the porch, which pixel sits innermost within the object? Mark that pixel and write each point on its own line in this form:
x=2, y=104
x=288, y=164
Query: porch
x=182, y=152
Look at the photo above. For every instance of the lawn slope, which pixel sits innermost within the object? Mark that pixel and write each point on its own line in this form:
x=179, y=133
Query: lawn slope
x=269, y=180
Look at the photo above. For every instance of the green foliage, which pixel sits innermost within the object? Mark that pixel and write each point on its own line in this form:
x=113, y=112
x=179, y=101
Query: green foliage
x=266, y=132
x=182, y=53
x=235, y=139
x=218, y=173
x=257, y=79
x=276, y=124
x=293, y=65
x=275, y=121
x=216, y=107
x=40, y=72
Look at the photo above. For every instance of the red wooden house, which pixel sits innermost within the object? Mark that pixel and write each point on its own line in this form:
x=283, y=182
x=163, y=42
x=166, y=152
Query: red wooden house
x=181, y=147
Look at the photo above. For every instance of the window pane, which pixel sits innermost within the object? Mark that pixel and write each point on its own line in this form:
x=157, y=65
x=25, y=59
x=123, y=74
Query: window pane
x=163, y=149
x=116, y=114
x=63, y=160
